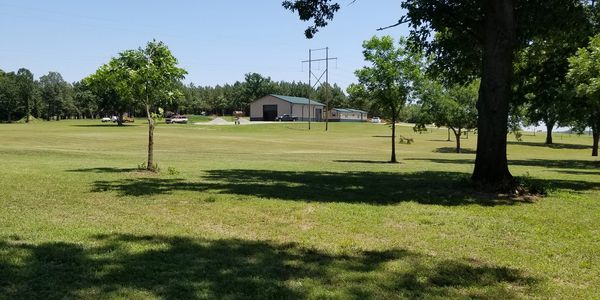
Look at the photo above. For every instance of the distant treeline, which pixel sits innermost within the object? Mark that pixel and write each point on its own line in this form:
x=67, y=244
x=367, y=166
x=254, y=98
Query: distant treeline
x=52, y=98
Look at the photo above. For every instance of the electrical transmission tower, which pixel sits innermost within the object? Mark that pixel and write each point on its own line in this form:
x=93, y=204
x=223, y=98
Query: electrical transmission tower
x=312, y=75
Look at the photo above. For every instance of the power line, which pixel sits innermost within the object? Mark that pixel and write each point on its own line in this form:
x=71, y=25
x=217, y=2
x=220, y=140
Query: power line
x=318, y=80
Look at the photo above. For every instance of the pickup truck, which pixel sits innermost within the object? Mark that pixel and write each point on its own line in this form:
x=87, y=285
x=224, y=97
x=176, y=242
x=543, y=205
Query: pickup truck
x=287, y=118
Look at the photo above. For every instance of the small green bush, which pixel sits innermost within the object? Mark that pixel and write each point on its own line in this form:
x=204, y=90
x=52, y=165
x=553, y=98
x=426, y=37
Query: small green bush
x=144, y=167
x=533, y=186
x=172, y=171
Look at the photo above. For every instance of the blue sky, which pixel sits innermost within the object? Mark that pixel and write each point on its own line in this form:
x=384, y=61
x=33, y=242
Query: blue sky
x=215, y=41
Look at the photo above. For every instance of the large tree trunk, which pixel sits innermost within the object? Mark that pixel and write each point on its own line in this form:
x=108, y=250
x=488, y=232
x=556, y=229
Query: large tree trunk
x=549, y=128
x=393, y=158
x=491, y=164
x=150, y=164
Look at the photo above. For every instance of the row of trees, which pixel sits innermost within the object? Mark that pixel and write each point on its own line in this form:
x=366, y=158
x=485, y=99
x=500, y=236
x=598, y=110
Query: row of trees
x=500, y=43
x=52, y=98
x=570, y=95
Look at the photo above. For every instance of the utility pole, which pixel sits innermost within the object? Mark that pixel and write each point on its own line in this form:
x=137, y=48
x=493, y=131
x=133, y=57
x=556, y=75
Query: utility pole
x=309, y=84
x=327, y=88
x=318, y=80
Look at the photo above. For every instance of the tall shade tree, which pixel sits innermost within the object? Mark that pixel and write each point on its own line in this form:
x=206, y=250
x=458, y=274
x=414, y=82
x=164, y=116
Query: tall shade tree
x=26, y=86
x=103, y=84
x=387, y=80
x=150, y=77
x=540, y=83
x=452, y=107
x=584, y=74
x=472, y=39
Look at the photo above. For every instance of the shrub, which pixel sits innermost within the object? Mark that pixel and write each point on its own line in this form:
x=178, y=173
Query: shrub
x=172, y=171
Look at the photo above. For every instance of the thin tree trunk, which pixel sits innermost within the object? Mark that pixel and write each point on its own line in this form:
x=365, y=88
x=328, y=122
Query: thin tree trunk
x=150, y=165
x=457, y=135
x=448, y=135
x=491, y=164
x=120, y=119
x=28, y=109
x=549, y=127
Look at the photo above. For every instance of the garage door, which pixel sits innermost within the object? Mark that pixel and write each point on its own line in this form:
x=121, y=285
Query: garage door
x=269, y=112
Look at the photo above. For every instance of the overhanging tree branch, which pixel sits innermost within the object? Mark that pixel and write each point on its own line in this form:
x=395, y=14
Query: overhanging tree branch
x=402, y=20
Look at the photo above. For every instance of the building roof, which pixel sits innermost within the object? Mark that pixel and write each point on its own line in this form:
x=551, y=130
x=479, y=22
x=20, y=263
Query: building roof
x=350, y=110
x=297, y=100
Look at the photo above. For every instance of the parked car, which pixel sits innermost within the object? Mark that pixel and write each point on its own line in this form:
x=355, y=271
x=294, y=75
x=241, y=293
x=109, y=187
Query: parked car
x=375, y=120
x=286, y=117
x=115, y=119
x=106, y=119
x=176, y=119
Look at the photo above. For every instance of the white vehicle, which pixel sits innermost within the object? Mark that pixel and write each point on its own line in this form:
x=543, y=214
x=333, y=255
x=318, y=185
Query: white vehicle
x=106, y=119
x=177, y=119
x=375, y=120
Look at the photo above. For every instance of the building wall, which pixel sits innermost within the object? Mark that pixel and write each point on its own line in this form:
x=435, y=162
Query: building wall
x=301, y=111
x=283, y=107
x=334, y=115
x=256, y=107
x=337, y=116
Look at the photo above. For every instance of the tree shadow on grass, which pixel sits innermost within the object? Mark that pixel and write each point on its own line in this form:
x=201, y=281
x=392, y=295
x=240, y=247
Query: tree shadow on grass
x=104, y=125
x=103, y=170
x=148, y=186
x=552, y=146
x=375, y=188
x=546, y=163
x=576, y=172
x=453, y=150
x=363, y=161
x=173, y=267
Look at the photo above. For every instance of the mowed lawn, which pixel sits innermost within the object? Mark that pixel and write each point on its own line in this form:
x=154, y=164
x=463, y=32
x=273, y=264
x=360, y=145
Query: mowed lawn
x=277, y=211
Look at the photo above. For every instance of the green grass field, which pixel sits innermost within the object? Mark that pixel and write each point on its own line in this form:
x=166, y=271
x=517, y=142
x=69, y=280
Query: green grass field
x=277, y=211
